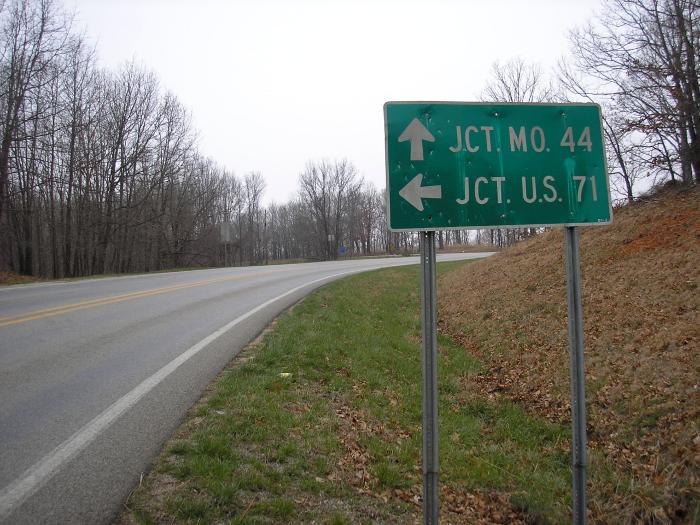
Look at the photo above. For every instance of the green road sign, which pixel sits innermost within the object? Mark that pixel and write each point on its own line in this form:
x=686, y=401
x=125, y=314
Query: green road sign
x=473, y=165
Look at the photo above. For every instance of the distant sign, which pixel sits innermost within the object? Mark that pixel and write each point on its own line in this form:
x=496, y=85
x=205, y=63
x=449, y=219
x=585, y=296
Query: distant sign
x=474, y=165
x=342, y=251
x=225, y=232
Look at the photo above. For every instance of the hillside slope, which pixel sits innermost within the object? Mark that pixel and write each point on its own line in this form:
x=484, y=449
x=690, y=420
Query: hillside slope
x=642, y=349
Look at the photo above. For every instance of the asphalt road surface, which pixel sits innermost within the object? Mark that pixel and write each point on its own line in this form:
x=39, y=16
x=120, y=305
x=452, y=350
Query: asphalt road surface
x=96, y=374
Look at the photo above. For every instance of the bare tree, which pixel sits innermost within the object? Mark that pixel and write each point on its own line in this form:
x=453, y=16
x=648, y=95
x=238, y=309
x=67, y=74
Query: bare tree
x=101, y=172
x=519, y=81
x=254, y=186
x=325, y=190
x=643, y=56
x=33, y=33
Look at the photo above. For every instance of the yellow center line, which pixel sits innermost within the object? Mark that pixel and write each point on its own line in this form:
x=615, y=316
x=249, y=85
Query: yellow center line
x=68, y=308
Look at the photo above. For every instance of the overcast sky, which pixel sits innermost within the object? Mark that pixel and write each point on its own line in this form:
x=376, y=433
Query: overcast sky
x=274, y=84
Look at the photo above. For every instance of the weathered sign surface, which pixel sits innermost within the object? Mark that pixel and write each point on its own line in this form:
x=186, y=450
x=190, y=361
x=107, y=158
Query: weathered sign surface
x=475, y=165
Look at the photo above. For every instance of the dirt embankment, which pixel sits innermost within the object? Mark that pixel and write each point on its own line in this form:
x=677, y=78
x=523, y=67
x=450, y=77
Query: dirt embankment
x=641, y=295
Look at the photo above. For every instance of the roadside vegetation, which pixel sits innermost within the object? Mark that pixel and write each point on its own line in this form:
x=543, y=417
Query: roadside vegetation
x=15, y=278
x=319, y=420
x=338, y=440
x=641, y=302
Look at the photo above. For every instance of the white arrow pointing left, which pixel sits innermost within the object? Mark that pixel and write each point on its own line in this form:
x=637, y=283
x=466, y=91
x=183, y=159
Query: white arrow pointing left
x=416, y=132
x=414, y=193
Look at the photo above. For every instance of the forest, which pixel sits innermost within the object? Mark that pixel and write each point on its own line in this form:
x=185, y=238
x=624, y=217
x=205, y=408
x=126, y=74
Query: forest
x=101, y=172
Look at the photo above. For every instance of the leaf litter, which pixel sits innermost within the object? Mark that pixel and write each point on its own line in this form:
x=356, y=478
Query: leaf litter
x=642, y=328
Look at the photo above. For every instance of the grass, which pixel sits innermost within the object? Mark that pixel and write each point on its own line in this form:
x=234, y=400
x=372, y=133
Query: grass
x=339, y=440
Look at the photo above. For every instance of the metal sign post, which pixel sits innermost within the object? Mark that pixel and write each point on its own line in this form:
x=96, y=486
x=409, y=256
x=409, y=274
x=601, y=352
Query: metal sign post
x=579, y=457
x=431, y=507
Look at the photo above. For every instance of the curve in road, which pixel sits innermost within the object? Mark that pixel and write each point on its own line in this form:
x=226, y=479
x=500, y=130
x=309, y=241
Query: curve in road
x=76, y=357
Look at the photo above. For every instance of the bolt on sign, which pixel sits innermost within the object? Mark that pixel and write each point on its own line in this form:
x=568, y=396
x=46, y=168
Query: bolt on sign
x=474, y=165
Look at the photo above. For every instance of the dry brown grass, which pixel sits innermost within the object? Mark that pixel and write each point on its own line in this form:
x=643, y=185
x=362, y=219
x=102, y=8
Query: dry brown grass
x=642, y=328
x=15, y=278
x=469, y=248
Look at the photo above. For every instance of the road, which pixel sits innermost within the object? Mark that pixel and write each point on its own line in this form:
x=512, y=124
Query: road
x=96, y=374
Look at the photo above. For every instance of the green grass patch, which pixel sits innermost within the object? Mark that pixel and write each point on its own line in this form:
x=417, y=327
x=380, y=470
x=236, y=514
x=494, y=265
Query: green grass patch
x=335, y=440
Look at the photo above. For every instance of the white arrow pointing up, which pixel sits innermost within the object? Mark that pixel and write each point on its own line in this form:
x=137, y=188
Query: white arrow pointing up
x=413, y=192
x=416, y=132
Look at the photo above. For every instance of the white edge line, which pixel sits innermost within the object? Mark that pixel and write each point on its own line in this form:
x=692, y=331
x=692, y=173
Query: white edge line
x=35, y=476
